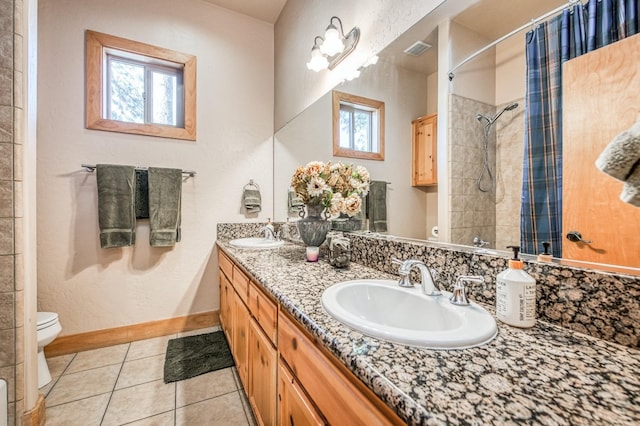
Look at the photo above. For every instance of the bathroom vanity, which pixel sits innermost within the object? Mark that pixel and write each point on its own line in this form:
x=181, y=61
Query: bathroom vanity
x=301, y=366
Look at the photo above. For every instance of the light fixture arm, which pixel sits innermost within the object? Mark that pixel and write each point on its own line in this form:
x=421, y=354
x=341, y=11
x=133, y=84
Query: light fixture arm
x=340, y=22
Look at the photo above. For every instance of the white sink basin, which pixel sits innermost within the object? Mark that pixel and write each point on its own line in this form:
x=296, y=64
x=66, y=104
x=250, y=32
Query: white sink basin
x=381, y=308
x=256, y=243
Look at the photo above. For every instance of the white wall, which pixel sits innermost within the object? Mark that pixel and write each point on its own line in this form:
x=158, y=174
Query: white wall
x=92, y=288
x=380, y=22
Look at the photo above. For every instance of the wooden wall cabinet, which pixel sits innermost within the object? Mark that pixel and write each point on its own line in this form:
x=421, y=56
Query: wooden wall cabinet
x=424, y=170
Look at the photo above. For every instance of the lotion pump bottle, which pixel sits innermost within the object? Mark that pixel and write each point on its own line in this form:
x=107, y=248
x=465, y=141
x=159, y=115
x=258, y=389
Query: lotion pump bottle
x=516, y=294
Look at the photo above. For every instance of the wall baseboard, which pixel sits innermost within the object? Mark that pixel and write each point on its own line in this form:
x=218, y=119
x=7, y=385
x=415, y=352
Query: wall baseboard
x=64, y=345
x=35, y=416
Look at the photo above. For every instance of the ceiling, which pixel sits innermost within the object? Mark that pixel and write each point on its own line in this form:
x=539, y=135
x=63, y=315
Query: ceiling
x=491, y=19
x=264, y=10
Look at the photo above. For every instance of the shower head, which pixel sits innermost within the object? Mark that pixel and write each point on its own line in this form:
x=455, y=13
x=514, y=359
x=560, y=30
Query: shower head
x=481, y=117
x=509, y=107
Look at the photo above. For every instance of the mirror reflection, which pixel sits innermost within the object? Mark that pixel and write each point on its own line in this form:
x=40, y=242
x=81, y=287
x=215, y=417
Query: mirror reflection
x=483, y=115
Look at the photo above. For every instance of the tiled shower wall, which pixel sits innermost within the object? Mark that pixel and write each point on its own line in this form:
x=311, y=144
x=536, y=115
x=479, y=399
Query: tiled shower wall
x=509, y=131
x=11, y=277
x=473, y=213
x=493, y=216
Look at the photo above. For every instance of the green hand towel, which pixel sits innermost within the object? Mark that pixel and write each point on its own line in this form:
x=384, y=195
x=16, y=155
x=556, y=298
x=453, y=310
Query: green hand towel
x=116, y=205
x=165, y=200
x=251, y=200
x=377, y=206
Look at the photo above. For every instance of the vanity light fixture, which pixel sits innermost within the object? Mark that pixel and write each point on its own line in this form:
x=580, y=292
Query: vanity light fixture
x=330, y=50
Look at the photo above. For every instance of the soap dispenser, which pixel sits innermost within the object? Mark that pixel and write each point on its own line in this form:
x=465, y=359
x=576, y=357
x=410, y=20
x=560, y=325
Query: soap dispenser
x=516, y=294
x=545, y=256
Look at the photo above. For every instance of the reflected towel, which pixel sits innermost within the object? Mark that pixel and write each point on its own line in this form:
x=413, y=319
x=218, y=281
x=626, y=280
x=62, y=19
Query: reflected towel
x=377, y=206
x=631, y=189
x=165, y=200
x=622, y=154
x=294, y=203
x=116, y=205
x=251, y=200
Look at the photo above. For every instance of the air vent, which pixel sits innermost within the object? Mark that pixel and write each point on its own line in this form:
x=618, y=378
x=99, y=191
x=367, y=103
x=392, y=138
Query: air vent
x=417, y=48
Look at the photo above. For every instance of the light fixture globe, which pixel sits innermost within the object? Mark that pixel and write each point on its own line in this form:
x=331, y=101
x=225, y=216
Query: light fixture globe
x=333, y=43
x=318, y=61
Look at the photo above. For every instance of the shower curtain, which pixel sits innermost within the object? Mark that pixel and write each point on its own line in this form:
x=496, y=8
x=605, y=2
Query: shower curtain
x=578, y=30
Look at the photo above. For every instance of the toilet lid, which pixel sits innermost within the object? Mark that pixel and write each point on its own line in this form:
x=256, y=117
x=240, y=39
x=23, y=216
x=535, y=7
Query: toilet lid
x=46, y=319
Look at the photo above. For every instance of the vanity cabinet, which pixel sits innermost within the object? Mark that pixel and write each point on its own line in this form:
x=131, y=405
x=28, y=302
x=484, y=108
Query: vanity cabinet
x=294, y=407
x=424, y=171
x=262, y=376
x=305, y=385
x=249, y=320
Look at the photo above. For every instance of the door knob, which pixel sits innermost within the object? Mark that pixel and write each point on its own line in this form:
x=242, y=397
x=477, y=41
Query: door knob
x=576, y=237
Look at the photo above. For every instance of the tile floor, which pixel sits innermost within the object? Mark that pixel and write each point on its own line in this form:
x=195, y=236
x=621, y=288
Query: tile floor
x=123, y=384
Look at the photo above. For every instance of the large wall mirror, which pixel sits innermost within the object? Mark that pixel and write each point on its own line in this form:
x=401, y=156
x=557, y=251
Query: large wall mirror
x=478, y=205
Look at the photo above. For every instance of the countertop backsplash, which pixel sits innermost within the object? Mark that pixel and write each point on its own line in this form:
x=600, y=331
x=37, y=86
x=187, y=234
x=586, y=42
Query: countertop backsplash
x=601, y=304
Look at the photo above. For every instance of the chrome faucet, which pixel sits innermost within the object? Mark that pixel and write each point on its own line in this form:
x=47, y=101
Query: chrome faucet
x=459, y=295
x=427, y=282
x=479, y=242
x=269, y=233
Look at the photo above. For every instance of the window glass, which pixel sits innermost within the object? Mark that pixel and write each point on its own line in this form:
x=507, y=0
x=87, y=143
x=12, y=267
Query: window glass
x=126, y=91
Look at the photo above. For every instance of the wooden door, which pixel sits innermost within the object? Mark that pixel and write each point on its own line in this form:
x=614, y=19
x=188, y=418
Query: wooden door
x=294, y=408
x=262, y=376
x=240, y=348
x=425, y=136
x=600, y=99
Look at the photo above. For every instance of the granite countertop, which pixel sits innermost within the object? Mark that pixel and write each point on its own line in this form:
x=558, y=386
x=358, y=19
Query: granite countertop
x=543, y=375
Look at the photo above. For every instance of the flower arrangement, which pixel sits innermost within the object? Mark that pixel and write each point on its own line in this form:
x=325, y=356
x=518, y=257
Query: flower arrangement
x=338, y=187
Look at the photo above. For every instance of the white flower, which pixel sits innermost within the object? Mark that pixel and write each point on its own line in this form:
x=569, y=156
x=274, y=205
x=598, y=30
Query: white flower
x=353, y=204
x=316, y=186
x=337, y=204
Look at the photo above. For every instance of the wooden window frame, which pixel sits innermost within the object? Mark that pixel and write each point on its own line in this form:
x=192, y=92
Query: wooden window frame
x=339, y=151
x=96, y=43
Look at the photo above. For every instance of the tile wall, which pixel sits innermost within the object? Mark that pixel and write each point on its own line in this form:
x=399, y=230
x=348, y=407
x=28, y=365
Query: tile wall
x=11, y=278
x=472, y=211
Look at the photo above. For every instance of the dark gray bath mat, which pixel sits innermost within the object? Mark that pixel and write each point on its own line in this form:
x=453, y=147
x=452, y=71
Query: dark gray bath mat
x=195, y=355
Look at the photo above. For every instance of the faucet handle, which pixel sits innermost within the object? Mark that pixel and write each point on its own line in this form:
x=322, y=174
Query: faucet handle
x=459, y=296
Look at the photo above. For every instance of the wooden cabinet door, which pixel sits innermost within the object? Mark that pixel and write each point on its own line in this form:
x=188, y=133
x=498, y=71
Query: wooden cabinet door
x=226, y=307
x=294, y=408
x=262, y=376
x=600, y=100
x=424, y=149
x=240, y=348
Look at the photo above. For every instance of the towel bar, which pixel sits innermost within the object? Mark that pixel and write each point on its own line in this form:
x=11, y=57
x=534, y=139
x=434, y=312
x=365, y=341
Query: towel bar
x=91, y=168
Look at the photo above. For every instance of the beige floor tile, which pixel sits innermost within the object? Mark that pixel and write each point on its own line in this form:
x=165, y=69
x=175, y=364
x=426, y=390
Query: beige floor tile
x=141, y=371
x=75, y=386
x=247, y=409
x=199, y=331
x=139, y=402
x=98, y=358
x=236, y=377
x=205, y=386
x=149, y=347
x=223, y=410
x=58, y=364
x=88, y=412
x=47, y=388
x=164, y=419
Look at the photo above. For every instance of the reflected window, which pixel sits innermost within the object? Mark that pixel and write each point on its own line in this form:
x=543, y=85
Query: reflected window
x=137, y=88
x=358, y=127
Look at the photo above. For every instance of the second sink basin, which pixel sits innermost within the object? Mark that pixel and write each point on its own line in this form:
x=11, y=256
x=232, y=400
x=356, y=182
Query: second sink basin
x=256, y=243
x=380, y=308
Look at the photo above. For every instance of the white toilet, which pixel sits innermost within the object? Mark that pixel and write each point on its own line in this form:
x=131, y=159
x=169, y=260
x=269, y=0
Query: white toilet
x=48, y=329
